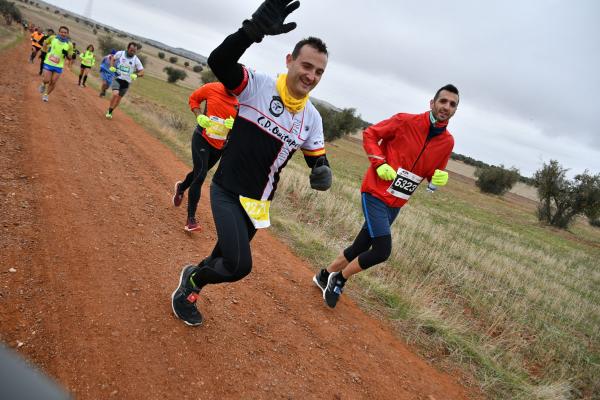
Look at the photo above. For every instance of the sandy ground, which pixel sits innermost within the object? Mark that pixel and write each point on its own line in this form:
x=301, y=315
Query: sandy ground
x=87, y=224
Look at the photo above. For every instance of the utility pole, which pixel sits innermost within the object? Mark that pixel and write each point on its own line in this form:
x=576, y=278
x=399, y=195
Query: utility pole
x=88, y=9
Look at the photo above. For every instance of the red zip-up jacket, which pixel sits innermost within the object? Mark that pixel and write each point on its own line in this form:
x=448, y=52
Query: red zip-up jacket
x=401, y=141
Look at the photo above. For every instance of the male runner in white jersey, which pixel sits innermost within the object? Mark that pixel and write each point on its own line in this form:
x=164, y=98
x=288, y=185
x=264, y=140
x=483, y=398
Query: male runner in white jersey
x=127, y=67
x=275, y=119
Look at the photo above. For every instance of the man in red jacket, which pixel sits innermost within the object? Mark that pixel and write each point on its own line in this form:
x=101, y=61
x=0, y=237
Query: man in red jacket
x=402, y=150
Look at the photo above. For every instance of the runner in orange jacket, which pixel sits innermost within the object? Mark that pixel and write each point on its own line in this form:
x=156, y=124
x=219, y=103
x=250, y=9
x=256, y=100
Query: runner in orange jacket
x=207, y=142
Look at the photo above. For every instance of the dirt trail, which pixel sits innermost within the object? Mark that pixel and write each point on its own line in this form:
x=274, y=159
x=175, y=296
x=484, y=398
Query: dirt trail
x=87, y=223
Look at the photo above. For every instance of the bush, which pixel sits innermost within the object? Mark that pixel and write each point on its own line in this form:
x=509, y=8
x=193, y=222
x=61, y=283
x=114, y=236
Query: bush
x=174, y=74
x=94, y=31
x=161, y=55
x=208, y=76
x=338, y=123
x=173, y=60
x=10, y=12
x=562, y=199
x=143, y=59
x=106, y=43
x=496, y=180
x=186, y=64
x=197, y=68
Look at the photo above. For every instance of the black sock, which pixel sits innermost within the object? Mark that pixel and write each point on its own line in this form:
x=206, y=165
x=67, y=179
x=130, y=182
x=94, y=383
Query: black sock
x=341, y=277
x=80, y=79
x=84, y=79
x=110, y=110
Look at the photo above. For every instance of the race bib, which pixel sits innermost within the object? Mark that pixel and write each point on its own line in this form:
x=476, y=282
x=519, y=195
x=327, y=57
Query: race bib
x=404, y=184
x=54, y=58
x=124, y=69
x=217, y=130
x=257, y=210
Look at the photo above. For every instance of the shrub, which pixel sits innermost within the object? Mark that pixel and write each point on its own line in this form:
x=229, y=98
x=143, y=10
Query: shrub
x=208, y=76
x=562, y=199
x=186, y=64
x=496, y=180
x=338, y=123
x=173, y=60
x=10, y=12
x=197, y=68
x=143, y=59
x=106, y=43
x=161, y=55
x=174, y=74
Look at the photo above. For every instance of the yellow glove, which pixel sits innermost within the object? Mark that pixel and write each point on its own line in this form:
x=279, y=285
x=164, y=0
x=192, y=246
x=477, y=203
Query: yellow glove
x=385, y=172
x=203, y=121
x=133, y=77
x=112, y=69
x=228, y=123
x=439, y=178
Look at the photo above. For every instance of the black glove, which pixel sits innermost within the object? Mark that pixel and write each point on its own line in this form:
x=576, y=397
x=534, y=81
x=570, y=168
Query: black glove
x=268, y=19
x=320, y=176
x=65, y=53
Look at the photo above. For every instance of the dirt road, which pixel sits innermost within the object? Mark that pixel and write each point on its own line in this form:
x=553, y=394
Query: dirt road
x=87, y=223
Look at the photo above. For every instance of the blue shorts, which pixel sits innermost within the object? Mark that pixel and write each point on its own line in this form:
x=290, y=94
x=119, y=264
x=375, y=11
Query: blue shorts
x=106, y=76
x=378, y=216
x=52, y=68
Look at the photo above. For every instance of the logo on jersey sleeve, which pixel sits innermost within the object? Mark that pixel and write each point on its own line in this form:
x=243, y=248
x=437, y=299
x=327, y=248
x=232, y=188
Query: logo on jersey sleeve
x=276, y=107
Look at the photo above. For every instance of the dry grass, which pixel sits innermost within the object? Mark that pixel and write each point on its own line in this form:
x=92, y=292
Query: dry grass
x=512, y=301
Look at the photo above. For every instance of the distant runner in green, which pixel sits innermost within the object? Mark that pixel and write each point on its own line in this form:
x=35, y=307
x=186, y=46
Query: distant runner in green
x=58, y=48
x=88, y=60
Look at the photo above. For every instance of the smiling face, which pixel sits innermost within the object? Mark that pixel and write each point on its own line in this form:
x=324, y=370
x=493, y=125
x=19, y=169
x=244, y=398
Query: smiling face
x=305, y=71
x=131, y=50
x=444, y=106
x=63, y=32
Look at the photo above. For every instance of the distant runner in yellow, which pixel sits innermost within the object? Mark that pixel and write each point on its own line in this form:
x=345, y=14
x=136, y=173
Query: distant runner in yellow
x=88, y=60
x=57, y=50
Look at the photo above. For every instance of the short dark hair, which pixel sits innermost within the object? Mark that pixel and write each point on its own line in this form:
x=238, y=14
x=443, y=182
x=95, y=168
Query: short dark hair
x=90, y=45
x=63, y=27
x=449, y=88
x=313, y=42
x=132, y=44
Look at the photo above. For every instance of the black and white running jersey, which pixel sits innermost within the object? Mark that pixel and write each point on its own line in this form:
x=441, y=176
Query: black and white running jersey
x=264, y=137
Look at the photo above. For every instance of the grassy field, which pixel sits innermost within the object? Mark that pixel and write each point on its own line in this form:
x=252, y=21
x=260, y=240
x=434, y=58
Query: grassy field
x=474, y=282
x=9, y=35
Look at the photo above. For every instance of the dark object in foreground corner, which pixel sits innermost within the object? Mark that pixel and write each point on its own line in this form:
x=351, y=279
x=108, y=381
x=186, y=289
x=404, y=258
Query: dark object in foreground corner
x=20, y=380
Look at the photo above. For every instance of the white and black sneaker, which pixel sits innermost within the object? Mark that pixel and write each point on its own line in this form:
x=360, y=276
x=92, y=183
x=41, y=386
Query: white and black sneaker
x=183, y=299
x=320, y=279
x=335, y=287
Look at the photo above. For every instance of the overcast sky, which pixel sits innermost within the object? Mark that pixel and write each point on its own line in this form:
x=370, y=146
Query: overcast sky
x=527, y=71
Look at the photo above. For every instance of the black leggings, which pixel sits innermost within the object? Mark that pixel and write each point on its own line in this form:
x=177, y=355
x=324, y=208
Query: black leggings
x=231, y=259
x=204, y=157
x=42, y=57
x=380, y=249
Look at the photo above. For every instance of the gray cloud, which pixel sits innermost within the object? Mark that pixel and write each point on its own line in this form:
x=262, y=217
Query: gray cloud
x=526, y=70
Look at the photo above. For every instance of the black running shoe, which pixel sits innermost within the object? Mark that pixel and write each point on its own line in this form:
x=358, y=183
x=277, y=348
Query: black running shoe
x=320, y=279
x=335, y=287
x=183, y=299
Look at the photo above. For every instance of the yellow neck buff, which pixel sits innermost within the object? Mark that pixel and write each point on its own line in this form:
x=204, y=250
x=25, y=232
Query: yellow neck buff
x=293, y=104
